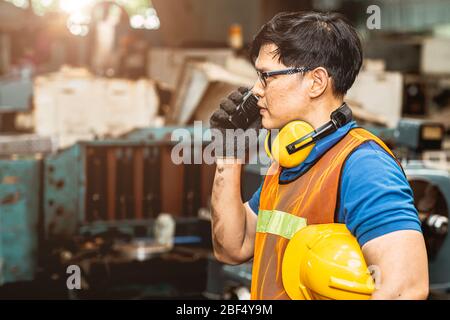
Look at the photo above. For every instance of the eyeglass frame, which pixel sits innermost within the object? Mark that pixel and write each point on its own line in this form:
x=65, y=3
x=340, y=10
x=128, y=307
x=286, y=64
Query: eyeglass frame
x=263, y=75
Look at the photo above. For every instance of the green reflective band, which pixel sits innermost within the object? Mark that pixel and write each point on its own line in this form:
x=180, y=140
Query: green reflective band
x=280, y=223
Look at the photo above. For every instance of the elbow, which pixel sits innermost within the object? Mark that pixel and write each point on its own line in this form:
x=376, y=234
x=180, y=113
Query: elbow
x=228, y=258
x=418, y=292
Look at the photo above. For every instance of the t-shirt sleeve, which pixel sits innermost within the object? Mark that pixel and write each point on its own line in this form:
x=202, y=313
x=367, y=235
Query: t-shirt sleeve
x=254, y=200
x=376, y=197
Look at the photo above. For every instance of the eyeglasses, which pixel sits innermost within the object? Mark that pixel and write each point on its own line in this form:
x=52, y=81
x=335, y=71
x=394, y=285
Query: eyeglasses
x=266, y=74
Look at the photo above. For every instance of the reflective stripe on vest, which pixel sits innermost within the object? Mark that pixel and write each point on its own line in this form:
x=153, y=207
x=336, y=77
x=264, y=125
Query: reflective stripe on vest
x=280, y=223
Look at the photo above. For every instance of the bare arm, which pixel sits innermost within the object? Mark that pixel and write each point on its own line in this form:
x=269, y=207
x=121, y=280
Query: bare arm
x=401, y=259
x=233, y=222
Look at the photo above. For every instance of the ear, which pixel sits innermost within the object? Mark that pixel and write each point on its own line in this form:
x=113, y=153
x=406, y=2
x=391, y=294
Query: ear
x=320, y=81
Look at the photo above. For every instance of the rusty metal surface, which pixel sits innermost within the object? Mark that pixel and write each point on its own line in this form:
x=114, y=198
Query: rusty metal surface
x=113, y=181
x=19, y=212
x=24, y=144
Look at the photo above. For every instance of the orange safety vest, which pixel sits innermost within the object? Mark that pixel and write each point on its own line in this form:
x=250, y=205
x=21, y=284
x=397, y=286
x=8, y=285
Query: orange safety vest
x=286, y=207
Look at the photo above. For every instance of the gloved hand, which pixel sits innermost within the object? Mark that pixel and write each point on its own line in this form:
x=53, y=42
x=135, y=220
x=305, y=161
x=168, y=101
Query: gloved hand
x=230, y=138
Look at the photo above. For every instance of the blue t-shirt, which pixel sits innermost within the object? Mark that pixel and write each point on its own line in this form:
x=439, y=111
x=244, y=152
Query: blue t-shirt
x=375, y=196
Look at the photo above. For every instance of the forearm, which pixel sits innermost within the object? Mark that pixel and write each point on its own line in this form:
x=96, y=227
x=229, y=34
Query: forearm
x=228, y=214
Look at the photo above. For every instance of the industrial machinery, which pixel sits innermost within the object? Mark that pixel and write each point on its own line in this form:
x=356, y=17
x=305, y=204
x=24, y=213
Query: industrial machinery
x=20, y=184
x=24, y=145
x=229, y=282
x=20, y=193
x=103, y=197
x=15, y=97
x=431, y=188
x=98, y=205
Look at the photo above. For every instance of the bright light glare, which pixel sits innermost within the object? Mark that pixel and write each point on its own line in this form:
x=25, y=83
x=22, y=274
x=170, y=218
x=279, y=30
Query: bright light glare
x=46, y=3
x=77, y=23
x=70, y=6
x=20, y=3
x=148, y=21
x=137, y=21
x=79, y=18
x=79, y=30
x=150, y=12
x=152, y=23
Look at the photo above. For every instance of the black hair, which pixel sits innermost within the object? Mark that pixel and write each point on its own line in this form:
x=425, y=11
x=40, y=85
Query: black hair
x=314, y=39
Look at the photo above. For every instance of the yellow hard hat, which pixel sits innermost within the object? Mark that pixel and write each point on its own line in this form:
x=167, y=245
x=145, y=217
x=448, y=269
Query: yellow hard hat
x=324, y=261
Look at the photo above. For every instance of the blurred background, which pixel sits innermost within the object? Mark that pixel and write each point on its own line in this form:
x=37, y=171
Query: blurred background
x=91, y=91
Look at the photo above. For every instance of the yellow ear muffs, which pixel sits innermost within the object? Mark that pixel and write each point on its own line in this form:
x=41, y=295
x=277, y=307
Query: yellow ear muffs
x=291, y=132
x=268, y=144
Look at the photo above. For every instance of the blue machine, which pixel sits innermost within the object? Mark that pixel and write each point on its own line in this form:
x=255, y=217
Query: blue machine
x=20, y=193
x=15, y=94
x=431, y=189
x=124, y=183
x=99, y=199
x=100, y=202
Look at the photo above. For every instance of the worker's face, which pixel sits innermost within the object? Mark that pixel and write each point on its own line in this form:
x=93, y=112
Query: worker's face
x=284, y=98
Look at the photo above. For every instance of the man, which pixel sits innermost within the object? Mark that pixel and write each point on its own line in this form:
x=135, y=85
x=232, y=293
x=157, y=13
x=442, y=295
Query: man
x=373, y=198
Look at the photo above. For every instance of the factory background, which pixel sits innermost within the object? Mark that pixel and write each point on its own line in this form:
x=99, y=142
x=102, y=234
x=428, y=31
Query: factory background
x=91, y=92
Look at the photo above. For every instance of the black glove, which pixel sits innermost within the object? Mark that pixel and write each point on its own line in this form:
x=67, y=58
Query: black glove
x=220, y=121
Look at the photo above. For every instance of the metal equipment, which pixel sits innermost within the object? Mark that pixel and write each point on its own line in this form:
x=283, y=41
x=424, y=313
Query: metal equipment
x=116, y=182
x=229, y=282
x=15, y=97
x=101, y=202
x=20, y=192
x=95, y=205
x=15, y=94
x=23, y=145
x=431, y=189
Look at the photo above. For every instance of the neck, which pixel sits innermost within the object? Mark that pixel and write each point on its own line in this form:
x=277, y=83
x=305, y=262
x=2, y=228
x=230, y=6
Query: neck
x=322, y=110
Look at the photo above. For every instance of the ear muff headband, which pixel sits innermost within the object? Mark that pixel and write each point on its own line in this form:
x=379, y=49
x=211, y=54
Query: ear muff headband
x=295, y=140
x=268, y=144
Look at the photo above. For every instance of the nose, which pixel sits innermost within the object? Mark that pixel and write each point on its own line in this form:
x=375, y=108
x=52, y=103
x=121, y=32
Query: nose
x=258, y=89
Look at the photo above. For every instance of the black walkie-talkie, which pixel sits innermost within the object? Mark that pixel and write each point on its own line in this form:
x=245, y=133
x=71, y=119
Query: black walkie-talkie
x=246, y=112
